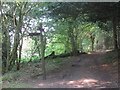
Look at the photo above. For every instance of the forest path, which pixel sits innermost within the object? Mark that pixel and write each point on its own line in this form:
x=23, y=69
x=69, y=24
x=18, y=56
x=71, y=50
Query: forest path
x=84, y=71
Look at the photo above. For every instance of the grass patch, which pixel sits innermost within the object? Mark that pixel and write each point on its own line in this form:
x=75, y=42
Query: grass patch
x=53, y=64
x=16, y=85
x=11, y=76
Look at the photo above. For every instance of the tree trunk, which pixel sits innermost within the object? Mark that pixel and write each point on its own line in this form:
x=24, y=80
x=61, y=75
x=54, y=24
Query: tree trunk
x=43, y=43
x=8, y=48
x=119, y=35
x=73, y=41
x=115, y=33
x=67, y=45
x=5, y=44
x=92, y=42
x=115, y=22
x=74, y=46
x=14, y=56
x=43, y=60
x=19, y=57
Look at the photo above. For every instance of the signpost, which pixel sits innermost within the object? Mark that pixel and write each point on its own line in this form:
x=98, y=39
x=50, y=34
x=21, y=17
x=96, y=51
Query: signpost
x=43, y=44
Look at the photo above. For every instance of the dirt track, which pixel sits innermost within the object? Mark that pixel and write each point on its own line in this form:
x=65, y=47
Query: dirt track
x=85, y=71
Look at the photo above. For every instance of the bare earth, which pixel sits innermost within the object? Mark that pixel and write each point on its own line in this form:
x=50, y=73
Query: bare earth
x=84, y=71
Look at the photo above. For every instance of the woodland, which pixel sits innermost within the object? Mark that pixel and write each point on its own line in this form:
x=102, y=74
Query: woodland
x=42, y=41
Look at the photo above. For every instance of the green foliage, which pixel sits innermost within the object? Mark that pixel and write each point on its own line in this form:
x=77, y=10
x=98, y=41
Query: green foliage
x=86, y=42
x=11, y=76
x=57, y=47
x=53, y=64
x=27, y=59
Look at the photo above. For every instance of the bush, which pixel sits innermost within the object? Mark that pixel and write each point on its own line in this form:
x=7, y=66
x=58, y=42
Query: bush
x=53, y=64
x=110, y=57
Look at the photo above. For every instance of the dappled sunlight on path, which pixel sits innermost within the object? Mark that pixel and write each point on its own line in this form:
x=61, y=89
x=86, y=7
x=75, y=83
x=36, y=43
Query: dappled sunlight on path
x=82, y=83
x=88, y=72
x=85, y=71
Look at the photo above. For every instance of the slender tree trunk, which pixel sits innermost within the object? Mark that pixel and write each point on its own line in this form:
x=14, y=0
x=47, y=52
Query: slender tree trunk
x=8, y=48
x=43, y=43
x=73, y=42
x=5, y=44
x=14, y=56
x=19, y=57
x=115, y=22
x=43, y=60
x=119, y=35
x=74, y=46
x=92, y=42
x=4, y=50
x=81, y=46
x=39, y=51
x=115, y=33
x=67, y=45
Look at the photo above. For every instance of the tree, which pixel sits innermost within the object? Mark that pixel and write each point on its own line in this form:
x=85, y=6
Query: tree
x=104, y=12
x=43, y=44
x=18, y=28
x=12, y=25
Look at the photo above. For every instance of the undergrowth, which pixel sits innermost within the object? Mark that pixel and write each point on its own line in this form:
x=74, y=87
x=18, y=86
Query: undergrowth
x=16, y=85
x=34, y=69
x=110, y=57
x=11, y=76
x=55, y=64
